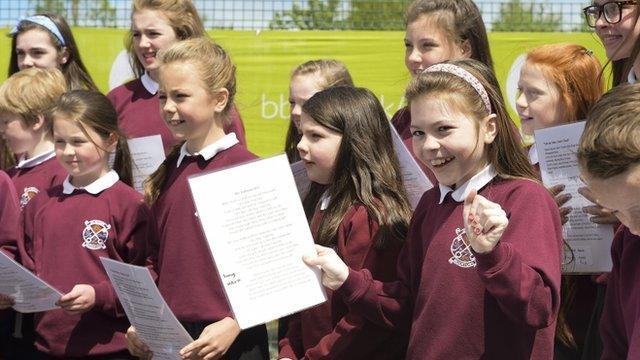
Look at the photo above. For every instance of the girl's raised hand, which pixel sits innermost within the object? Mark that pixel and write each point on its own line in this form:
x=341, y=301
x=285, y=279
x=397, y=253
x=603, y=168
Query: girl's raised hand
x=334, y=270
x=6, y=302
x=136, y=346
x=599, y=215
x=79, y=300
x=214, y=341
x=484, y=222
x=561, y=199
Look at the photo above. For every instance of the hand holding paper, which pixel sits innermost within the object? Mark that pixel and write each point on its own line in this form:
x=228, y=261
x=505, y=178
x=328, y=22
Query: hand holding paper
x=599, y=215
x=561, y=199
x=6, y=302
x=214, y=342
x=79, y=300
x=484, y=222
x=334, y=270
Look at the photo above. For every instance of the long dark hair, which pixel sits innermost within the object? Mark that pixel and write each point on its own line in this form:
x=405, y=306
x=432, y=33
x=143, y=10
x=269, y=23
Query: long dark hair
x=367, y=170
x=74, y=70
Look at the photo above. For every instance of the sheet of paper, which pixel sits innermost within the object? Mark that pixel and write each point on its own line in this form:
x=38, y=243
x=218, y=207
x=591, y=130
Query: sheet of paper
x=254, y=222
x=30, y=293
x=590, y=243
x=300, y=177
x=414, y=179
x=146, y=309
x=147, y=154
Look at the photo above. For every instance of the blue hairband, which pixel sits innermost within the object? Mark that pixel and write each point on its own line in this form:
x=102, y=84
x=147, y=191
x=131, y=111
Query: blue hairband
x=42, y=21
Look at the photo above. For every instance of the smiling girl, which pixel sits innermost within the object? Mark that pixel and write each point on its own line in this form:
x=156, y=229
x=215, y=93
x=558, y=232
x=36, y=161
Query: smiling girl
x=479, y=275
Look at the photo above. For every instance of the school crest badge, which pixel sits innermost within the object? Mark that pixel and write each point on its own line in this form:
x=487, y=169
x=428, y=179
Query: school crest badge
x=95, y=234
x=28, y=194
x=461, y=251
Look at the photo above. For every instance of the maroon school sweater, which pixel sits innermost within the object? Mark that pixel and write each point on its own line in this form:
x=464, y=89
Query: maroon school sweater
x=64, y=237
x=401, y=120
x=139, y=114
x=30, y=181
x=462, y=305
x=330, y=330
x=620, y=323
x=9, y=215
x=178, y=251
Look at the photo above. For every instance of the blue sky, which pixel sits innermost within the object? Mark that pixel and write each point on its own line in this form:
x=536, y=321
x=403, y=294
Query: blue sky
x=253, y=14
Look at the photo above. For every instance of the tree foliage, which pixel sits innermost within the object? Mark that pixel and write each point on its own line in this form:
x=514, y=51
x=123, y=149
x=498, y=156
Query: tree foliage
x=518, y=16
x=318, y=14
x=100, y=12
x=377, y=15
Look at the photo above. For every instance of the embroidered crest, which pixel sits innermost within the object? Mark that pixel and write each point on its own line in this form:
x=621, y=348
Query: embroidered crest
x=95, y=234
x=28, y=194
x=461, y=251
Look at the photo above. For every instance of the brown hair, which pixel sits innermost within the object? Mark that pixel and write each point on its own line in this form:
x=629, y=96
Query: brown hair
x=505, y=153
x=331, y=73
x=215, y=70
x=182, y=16
x=74, y=70
x=610, y=143
x=461, y=20
x=92, y=109
x=575, y=71
x=31, y=93
x=366, y=171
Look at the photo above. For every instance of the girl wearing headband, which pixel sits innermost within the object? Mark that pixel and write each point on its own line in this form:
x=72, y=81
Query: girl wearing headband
x=479, y=275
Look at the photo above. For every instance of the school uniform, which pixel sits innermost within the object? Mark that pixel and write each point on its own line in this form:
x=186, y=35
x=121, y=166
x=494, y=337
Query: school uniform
x=463, y=305
x=179, y=254
x=330, y=330
x=34, y=175
x=139, y=113
x=401, y=121
x=66, y=231
x=620, y=324
x=9, y=215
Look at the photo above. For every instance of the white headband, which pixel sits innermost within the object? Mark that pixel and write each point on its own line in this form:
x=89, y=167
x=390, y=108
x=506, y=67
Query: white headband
x=43, y=21
x=466, y=76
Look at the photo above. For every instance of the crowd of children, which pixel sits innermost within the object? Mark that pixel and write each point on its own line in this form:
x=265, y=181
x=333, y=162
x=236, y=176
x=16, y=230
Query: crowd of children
x=473, y=272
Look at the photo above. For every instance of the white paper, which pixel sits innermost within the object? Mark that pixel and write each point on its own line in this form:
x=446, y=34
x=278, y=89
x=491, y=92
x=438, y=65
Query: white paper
x=300, y=177
x=30, y=293
x=590, y=242
x=414, y=179
x=254, y=222
x=147, y=154
x=146, y=310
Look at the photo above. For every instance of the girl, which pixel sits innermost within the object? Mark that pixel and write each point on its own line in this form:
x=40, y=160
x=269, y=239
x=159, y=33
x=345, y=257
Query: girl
x=436, y=31
x=155, y=25
x=46, y=41
x=197, y=87
x=25, y=99
x=363, y=213
x=559, y=84
x=616, y=24
x=306, y=80
x=103, y=217
x=479, y=276
x=609, y=158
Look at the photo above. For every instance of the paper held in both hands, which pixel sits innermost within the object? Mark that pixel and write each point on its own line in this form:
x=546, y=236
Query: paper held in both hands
x=146, y=309
x=414, y=179
x=590, y=243
x=257, y=231
x=30, y=293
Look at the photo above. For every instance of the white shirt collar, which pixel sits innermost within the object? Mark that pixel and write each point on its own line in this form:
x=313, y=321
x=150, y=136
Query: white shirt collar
x=210, y=150
x=36, y=160
x=325, y=199
x=149, y=83
x=477, y=182
x=96, y=187
x=533, y=154
x=631, y=79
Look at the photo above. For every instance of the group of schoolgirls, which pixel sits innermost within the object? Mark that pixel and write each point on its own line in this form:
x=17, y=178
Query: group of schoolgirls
x=474, y=271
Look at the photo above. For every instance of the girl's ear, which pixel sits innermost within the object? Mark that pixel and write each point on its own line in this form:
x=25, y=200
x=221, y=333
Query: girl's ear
x=64, y=56
x=221, y=97
x=490, y=127
x=465, y=49
x=112, y=142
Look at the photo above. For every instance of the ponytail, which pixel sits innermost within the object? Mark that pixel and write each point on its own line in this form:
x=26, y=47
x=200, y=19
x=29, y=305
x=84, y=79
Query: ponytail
x=155, y=182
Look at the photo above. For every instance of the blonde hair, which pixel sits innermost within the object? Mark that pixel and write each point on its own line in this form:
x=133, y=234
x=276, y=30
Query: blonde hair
x=182, y=16
x=215, y=71
x=610, y=143
x=575, y=71
x=31, y=93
